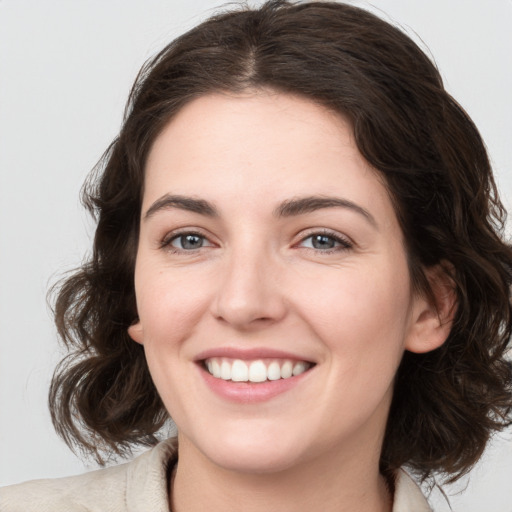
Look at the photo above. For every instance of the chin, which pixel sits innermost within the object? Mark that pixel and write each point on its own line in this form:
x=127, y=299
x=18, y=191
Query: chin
x=249, y=451
x=255, y=460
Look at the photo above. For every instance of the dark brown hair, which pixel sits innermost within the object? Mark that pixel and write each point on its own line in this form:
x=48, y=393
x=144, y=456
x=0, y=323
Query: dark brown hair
x=446, y=402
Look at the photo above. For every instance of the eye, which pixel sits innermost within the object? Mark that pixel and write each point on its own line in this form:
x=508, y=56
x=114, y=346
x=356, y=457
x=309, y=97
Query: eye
x=186, y=242
x=326, y=242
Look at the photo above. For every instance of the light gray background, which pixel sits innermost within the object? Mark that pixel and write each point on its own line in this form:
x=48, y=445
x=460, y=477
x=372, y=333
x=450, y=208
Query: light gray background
x=65, y=71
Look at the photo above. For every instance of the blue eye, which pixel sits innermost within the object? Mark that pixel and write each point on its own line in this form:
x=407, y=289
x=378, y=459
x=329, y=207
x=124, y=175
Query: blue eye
x=188, y=242
x=325, y=242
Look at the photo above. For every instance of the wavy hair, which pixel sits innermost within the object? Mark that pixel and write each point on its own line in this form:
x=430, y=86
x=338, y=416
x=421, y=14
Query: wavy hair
x=447, y=402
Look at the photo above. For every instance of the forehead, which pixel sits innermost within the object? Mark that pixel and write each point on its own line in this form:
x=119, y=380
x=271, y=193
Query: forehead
x=261, y=117
x=260, y=145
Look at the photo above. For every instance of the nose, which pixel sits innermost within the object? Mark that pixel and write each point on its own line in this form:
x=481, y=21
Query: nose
x=249, y=294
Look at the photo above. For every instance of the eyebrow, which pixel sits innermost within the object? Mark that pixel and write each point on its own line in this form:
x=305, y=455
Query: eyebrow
x=288, y=208
x=302, y=205
x=190, y=204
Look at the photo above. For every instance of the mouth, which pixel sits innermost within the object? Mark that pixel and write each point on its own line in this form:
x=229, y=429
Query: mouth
x=255, y=371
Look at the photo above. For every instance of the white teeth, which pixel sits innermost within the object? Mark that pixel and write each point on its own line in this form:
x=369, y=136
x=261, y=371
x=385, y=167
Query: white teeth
x=215, y=371
x=257, y=371
x=287, y=370
x=237, y=370
x=273, y=371
x=225, y=371
x=299, y=368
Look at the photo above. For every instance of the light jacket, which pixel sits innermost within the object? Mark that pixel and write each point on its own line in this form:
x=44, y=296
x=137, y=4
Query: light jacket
x=138, y=486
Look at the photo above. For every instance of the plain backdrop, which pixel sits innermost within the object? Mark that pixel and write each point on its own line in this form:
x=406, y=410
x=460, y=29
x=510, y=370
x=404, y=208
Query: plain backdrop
x=65, y=71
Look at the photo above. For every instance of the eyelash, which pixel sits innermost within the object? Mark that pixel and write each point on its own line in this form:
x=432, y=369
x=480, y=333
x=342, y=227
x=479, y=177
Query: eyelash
x=166, y=243
x=343, y=243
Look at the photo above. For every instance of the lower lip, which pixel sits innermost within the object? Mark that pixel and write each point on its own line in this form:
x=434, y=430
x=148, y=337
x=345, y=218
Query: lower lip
x=250, y=392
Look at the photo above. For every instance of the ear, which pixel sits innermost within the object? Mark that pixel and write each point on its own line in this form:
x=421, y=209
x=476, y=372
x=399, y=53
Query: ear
x=136, y=332
x=433, y=316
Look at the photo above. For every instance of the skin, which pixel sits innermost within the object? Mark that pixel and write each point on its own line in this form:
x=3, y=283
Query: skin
x=255, y=279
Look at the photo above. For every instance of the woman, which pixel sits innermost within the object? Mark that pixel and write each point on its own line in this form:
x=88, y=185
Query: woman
x=298, y=259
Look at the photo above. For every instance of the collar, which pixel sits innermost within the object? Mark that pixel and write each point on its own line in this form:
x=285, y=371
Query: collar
x=148, y=475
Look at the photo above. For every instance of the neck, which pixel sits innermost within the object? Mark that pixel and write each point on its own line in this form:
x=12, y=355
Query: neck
x=331, y=483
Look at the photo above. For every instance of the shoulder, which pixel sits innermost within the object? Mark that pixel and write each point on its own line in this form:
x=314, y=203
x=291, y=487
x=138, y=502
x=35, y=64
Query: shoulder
x=137, y=485
x=76, y=493
x=408, y=495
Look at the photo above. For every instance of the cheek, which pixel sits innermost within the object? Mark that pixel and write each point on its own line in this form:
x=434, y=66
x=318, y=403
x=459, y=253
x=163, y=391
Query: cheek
x=170, y=303
x=360, y=314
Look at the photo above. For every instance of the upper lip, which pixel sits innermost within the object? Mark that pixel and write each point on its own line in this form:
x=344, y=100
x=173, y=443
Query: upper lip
x=249, y=354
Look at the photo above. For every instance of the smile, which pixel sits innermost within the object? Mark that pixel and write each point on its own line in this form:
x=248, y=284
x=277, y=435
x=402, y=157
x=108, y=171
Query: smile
x=258, y=370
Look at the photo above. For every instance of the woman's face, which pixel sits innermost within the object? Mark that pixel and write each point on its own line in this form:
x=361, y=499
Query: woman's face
x=270, y=255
